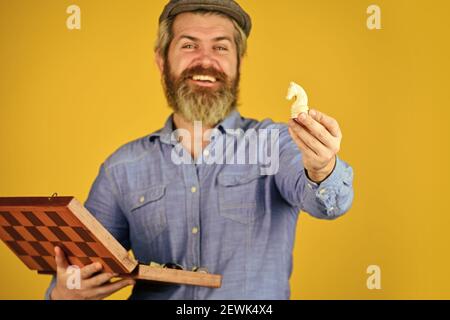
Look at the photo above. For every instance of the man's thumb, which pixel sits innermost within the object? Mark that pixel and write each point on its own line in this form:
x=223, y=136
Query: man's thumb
x=60, y=258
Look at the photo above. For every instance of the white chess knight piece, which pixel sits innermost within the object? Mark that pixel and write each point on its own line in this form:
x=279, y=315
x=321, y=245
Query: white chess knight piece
x=301, y=100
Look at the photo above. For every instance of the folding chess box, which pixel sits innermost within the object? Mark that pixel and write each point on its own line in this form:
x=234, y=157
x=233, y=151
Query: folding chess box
x=32, y=226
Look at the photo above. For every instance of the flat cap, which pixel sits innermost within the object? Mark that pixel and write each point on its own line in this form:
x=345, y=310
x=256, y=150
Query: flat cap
x=228, y=7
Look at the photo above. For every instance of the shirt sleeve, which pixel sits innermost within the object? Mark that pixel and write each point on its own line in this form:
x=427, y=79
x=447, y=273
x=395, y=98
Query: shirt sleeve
x=104, y=204
x=328, y=200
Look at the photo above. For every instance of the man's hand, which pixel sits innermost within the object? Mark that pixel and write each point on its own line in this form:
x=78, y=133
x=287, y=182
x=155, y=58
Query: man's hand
x=94, y=285
x=318, y=136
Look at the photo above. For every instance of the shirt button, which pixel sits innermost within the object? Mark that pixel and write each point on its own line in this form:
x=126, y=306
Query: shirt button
x=206, y=153
x=322, y=191
x=195, y=230
x=142, y=199
x=193, y=189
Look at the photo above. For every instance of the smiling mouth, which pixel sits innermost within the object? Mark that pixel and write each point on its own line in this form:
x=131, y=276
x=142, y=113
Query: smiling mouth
x=204, y=80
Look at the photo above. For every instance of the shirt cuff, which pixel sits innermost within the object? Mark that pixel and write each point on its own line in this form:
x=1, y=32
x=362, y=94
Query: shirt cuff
x=328, y=190
x=50, y=289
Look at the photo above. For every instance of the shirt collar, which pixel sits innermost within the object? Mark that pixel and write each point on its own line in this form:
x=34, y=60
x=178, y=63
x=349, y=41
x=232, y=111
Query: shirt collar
x=232, y=121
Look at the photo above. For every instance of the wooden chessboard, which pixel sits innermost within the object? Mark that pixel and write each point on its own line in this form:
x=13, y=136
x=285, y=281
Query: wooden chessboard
x=32, y=226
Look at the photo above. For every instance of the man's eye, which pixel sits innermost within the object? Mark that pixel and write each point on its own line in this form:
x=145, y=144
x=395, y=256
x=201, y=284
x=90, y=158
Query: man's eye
x=188, y=46
x=222, y=48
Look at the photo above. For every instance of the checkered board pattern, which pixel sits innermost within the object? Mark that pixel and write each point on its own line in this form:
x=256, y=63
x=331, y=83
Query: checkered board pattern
x=32, y=232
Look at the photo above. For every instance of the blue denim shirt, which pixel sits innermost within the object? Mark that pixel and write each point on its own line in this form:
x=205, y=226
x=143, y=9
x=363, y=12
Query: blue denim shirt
x=236, y=220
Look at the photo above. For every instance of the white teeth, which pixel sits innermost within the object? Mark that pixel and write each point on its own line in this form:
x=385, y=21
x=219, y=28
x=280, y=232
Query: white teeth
x=204, y=78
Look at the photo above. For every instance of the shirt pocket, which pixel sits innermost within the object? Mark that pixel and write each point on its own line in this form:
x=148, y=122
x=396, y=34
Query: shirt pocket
x=147, y=210
x=241, y=196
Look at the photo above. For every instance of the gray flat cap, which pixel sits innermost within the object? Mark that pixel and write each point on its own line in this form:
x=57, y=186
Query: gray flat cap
x=228, y=7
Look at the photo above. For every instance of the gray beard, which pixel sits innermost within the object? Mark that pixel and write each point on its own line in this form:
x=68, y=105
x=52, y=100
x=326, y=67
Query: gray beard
x=198, y=103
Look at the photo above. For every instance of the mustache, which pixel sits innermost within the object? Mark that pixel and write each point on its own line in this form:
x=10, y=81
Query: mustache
x=212, y=72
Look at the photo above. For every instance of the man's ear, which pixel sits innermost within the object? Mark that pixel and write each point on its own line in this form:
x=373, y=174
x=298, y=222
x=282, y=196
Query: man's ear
x=159, y=61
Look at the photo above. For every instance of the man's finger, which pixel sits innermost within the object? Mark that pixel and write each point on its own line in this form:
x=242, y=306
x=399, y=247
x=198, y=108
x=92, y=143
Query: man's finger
x=109, y=289
x=99, y=280
x=316, y=129
x=304, y=148
x=328, y=122
x=312, y=142
x=60, y=259
x=91, y=269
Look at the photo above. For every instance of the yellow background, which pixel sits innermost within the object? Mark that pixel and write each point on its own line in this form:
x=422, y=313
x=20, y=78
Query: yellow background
x=68, y=99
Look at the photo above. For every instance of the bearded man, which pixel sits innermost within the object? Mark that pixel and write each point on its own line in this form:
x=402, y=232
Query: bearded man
x=230, y=217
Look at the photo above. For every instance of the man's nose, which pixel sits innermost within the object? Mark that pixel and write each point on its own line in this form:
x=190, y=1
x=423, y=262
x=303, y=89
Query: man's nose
x=206, y=59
